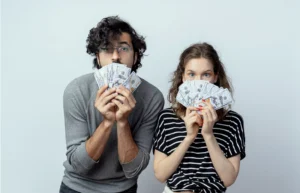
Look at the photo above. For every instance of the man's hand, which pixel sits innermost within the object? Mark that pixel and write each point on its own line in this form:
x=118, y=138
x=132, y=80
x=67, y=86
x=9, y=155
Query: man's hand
x=125, y=103
x=104, y=105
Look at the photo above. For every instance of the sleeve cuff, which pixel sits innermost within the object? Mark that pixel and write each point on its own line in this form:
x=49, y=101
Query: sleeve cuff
x=134, y=165
x=83, y=158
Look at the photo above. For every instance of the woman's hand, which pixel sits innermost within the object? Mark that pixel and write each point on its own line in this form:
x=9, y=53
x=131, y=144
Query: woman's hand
x=192, y=122
x=210, y=117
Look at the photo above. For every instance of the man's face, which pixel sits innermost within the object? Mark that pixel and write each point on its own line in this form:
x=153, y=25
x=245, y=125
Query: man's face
x=118, y=51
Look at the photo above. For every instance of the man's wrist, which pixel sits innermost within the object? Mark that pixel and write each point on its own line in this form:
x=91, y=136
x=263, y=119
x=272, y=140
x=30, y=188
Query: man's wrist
x=122, y=122
x=107, y=123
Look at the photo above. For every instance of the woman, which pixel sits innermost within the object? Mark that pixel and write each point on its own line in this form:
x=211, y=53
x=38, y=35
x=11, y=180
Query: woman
x=191, y=158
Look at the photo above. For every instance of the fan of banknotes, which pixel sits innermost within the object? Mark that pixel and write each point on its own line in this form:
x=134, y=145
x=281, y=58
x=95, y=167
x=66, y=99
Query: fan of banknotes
x=191, y=93
x=115, y=75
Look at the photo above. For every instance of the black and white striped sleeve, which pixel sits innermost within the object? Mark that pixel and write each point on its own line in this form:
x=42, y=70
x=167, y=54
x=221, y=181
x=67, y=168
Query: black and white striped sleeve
x=160, y=136
x=237, y=141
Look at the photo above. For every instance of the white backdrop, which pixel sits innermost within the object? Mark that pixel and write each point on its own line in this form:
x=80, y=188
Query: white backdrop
x=43, y=49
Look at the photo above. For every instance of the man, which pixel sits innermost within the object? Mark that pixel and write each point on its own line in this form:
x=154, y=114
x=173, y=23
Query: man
x=109, y=132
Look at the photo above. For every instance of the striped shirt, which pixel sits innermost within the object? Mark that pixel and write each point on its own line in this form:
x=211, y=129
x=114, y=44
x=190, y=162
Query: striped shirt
x=196, y=171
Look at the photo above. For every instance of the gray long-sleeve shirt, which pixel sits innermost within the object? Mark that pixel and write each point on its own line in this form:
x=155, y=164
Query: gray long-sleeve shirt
x=106, y=175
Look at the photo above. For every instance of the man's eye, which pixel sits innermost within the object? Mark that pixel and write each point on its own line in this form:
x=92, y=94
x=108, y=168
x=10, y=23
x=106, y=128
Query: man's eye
x=125, y=49
x=104, y=49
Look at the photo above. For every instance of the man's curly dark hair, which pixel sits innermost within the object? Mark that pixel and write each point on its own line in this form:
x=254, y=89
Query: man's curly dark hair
x=109, y=28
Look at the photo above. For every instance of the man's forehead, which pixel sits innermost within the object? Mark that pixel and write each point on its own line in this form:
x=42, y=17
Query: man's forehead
x=123, y=38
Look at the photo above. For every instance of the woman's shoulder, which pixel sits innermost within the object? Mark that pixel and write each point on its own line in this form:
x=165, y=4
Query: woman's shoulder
x=234, y=118
x=233, y=115
x=167, y=113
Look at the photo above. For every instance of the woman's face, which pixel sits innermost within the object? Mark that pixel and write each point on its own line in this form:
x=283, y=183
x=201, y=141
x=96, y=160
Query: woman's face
x=199, y=69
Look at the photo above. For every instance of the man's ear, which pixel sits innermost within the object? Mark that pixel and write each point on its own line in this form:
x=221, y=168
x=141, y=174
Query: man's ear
x=98, y=59
x=135, y=57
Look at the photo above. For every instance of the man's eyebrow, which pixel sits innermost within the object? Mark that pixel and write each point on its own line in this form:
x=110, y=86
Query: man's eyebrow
x=124, y=43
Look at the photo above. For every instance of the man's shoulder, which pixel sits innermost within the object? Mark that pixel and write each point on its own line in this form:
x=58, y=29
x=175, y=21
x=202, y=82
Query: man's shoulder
x=83, y=80
x=83, y=84
x=148, y=90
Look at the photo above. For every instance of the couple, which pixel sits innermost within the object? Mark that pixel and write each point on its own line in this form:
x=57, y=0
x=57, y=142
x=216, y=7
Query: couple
x=109, y=133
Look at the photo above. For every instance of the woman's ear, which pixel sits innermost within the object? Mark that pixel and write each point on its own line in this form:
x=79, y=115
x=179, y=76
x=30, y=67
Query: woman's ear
x=216, y=78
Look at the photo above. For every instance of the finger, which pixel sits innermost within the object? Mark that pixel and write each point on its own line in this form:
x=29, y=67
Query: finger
x=125, y=92
x=131, y=103
x=108, y=106
x=122, y=87
x=193, y=116
x=190, y=109
x=187, y=111
x=203, y=108
x=211, y=109
x=101, y=90
x=107, y=93
x=193, y=113
x=201, y=103
x=131, y=100
x=199, y=120
x=195, y=119
x=107, y=99
x=117, y=103
x=121, y=98
x=204, y=115
x=214, y=114
x=192, y=120
x=205, y=103
x=209, y=115
x=208, y=103
x=189, y=120
x=131, y=97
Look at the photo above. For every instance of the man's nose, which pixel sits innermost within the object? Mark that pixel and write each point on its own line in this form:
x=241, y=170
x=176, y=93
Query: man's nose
x=115, y=56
